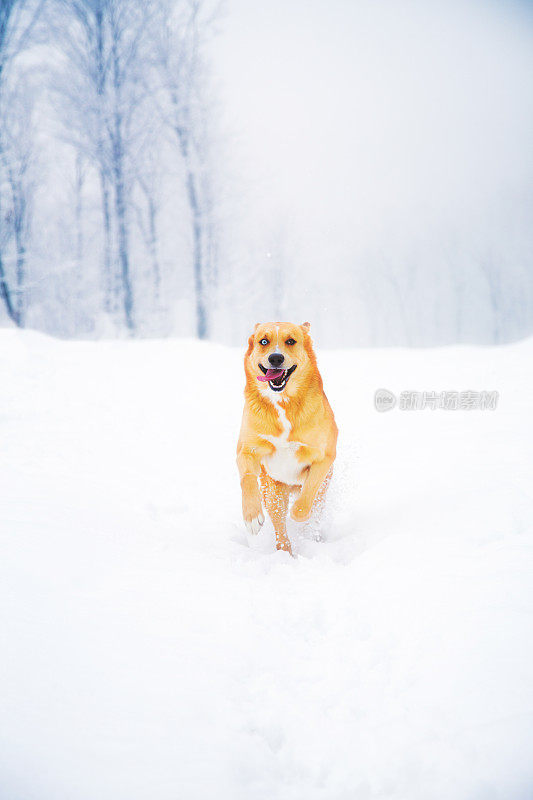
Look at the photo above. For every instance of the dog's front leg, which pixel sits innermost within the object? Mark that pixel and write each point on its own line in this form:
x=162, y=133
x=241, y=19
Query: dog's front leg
x=249, y=465
x=316, y=475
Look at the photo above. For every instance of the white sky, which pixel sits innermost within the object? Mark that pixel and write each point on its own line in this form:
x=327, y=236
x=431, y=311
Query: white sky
x=348, y=115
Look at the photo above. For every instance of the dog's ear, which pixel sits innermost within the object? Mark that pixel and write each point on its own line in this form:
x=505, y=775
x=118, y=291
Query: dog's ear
x=251, y=340
x=306, y=326
x=250, y=345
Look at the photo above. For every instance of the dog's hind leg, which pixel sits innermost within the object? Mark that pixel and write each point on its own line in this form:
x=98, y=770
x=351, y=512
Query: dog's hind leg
x=276, y=500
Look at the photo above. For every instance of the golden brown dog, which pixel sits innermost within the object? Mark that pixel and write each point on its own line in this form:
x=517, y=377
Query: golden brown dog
x=288, y=435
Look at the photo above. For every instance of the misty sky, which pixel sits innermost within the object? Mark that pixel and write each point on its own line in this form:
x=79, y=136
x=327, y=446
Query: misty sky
x=354, y=119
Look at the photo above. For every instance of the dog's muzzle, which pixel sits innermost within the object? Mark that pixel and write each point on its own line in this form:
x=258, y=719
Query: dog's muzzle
x=277, y=378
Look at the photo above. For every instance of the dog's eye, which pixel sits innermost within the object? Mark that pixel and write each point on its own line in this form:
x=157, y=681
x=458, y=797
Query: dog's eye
x=290, y=342
x=264, y=342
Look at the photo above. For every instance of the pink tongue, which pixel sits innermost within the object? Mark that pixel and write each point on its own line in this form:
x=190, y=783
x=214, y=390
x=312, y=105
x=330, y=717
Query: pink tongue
x=270, y=374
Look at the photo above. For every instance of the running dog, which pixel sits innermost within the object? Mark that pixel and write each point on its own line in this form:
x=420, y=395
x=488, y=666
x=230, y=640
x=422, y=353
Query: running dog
x=288, y=435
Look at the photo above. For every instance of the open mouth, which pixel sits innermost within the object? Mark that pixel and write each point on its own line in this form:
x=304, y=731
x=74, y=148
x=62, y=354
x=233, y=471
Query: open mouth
x=277, y=378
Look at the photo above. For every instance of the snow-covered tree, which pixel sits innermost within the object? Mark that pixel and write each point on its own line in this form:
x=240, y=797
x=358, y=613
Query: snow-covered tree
x=17, y=24
x=101, y=94
x=179, y=82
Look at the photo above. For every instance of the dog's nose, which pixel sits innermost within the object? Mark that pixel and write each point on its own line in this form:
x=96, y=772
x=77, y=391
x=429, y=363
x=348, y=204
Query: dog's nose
x=276, y=359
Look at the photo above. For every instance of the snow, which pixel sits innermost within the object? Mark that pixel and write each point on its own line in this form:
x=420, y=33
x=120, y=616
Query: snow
x=152, y=650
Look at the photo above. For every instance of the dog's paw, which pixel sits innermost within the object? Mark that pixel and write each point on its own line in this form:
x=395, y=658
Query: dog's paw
x=253, y=524
x=252, y=511
x=300, y=510
x=283, y=543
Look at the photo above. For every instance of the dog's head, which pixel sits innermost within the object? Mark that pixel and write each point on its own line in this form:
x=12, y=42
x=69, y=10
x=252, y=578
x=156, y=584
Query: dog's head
x=280, y=358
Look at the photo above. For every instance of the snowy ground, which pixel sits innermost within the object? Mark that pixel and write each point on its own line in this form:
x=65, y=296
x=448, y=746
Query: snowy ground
x=151, y=651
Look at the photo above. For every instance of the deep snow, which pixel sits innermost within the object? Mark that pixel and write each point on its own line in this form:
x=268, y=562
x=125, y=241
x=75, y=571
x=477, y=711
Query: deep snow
x=151, y=650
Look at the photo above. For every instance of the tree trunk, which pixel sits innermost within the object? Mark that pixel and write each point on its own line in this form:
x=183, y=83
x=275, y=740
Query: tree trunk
x=79, y=217
x=6, y=296
x=15, y=307
x=122, y=232
x=201, y=308
x=108, y=282
x=106, y=215
x=120, y=199
x=20, y=273
x=197, y=238
x=19, y=204
x=152, y=246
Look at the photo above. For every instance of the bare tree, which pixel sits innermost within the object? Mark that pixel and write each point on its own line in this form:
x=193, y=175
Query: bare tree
x=16, y=156
x=79, y=180
x=179, y=75
x=101, y=94
x=83, y=86
x=17, y=23
x=491, y=270
x=149, y=177
x=5, y=291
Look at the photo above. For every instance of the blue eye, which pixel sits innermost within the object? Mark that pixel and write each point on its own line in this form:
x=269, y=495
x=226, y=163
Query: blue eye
x=264, y=342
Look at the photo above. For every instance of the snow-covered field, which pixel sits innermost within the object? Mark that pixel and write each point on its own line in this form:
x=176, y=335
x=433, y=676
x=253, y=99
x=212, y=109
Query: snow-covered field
x=151, y=650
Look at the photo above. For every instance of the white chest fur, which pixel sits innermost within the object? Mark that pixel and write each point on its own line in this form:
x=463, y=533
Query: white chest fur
x=282, y=464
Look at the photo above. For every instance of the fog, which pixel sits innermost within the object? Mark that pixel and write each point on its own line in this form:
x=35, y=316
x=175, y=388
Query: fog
x=384, y=154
